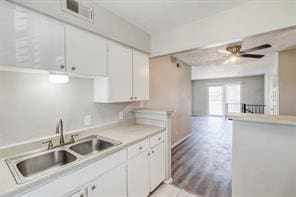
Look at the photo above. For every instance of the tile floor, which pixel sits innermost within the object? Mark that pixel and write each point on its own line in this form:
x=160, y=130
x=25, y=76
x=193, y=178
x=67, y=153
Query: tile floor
x=167, y=190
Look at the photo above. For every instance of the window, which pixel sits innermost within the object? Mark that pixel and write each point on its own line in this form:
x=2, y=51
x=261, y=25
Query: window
x=232, y=97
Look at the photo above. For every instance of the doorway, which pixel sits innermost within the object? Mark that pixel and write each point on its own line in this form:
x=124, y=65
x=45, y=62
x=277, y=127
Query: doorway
x=215, y=101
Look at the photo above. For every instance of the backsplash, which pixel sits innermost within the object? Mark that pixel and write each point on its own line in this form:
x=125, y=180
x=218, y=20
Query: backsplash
x=31, y=106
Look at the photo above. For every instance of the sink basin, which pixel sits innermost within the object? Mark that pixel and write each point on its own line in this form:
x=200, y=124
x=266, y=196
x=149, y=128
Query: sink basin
x=92, y=146
x=43, y=162
x=27, y=167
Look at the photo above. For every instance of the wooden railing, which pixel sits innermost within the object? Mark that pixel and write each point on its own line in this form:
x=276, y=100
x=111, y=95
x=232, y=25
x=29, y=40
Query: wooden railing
x=244, y=108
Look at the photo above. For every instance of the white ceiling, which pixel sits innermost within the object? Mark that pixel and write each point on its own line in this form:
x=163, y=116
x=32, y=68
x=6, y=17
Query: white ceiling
x=159, y=15
x=211, y=57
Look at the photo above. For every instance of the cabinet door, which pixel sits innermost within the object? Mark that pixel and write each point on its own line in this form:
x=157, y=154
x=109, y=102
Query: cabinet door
x=79, y=193
x=112, y=183
x=157, y=166
x=140, y=76
x=30, y=40
x=86, y=53
x=138, y=175
x=120, y=72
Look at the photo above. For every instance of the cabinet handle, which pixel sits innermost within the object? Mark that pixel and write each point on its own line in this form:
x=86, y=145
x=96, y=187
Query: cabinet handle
x=136, y=98
x=152, y=151
x=62, y=66
x=148, y=154
x=93, y=187
x=140, y=148
x=131, y=98
x=159, y=138
x=73, y=68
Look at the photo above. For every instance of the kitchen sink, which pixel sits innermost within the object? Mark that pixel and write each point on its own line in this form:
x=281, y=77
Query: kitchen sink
x=45, y=161
x=92, y=146
x=36, y=163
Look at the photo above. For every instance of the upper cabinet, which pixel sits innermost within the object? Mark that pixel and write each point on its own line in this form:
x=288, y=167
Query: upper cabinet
x=30, y=40
x=140, y=76
x=120, y=62
x=86, y=53
x=128, y=76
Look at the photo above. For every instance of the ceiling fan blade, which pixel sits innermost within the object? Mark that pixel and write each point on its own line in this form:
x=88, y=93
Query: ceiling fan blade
x=251, y=55
x=224, y=52
x=264, y=46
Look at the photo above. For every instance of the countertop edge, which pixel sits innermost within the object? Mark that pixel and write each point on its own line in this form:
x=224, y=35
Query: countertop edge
x=154, y=111
x=260, y=118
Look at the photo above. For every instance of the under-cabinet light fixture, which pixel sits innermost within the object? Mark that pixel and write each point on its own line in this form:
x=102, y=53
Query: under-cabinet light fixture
x=58, y=77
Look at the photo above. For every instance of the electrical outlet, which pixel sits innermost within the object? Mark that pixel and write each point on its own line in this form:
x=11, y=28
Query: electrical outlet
x=120, y=115
x=87, y=120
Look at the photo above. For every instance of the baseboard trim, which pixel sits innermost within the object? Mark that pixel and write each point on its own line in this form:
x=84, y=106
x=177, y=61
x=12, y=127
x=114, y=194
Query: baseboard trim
x=181, y=140
x=168, y=181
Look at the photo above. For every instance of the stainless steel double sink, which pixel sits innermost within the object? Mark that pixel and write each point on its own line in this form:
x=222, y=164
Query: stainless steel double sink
x=37, y=163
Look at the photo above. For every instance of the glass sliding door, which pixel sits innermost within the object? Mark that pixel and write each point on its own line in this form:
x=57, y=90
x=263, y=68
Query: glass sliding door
x=215, y=100
x=232, y=98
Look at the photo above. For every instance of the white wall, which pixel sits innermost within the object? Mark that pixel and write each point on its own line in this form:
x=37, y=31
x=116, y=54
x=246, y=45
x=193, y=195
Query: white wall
x=251, y=18
x=31, y=106
x=252, y=91
x=105, y=24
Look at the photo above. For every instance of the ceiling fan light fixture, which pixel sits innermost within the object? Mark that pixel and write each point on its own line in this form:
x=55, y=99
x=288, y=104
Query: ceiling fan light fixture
x=233, y=59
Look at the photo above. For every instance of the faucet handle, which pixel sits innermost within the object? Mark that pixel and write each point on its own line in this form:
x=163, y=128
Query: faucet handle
x=72, y=139
x=49, y=142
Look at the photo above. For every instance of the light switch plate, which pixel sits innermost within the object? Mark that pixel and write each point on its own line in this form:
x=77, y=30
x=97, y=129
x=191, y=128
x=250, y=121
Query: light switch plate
x=87, y=120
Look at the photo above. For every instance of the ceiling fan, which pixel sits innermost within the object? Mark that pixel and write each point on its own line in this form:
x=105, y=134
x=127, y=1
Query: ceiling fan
x=234, y=52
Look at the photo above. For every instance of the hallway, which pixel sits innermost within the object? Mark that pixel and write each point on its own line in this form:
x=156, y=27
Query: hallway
x=202, y=163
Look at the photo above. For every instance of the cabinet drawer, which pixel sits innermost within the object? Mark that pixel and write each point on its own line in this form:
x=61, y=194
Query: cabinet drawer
x=137, y=148
x=156, y=139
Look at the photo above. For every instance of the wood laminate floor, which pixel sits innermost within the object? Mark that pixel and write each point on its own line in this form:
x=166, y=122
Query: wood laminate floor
x=202, y=163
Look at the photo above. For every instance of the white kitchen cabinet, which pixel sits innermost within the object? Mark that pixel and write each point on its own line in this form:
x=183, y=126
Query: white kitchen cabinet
x=157, y=166
x=30, y=40
x=79, y=193
x=117, y=87
x=146, y=166
x=120, y=72
x=138, y=175
x=86, y=53
x=112, y=183
x=128, y=76
x=140, y=76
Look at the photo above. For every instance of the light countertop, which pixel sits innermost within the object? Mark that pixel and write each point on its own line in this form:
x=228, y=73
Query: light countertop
x=154, y=110
x=263, y=118
x=127, y=134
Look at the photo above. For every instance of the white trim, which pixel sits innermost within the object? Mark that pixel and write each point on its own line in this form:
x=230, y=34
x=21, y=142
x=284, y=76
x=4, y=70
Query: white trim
x=168, y=181
x=181, y=140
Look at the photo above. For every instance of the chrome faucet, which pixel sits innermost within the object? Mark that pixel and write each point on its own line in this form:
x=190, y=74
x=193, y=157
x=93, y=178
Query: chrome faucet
x=60, y=130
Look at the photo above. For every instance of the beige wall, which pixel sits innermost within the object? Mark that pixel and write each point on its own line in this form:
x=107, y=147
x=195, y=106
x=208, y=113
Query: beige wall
x=252, y=91
x=287, y=82
x=170, y=87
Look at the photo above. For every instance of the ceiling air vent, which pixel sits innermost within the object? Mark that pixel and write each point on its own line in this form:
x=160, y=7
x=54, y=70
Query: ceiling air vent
x=78, y=9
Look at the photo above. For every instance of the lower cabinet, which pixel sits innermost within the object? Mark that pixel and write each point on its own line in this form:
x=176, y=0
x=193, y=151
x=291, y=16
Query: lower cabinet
x=157, y=166
x=138, y=175
x=146, y=171
x=112, y=183
x=79, y=193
